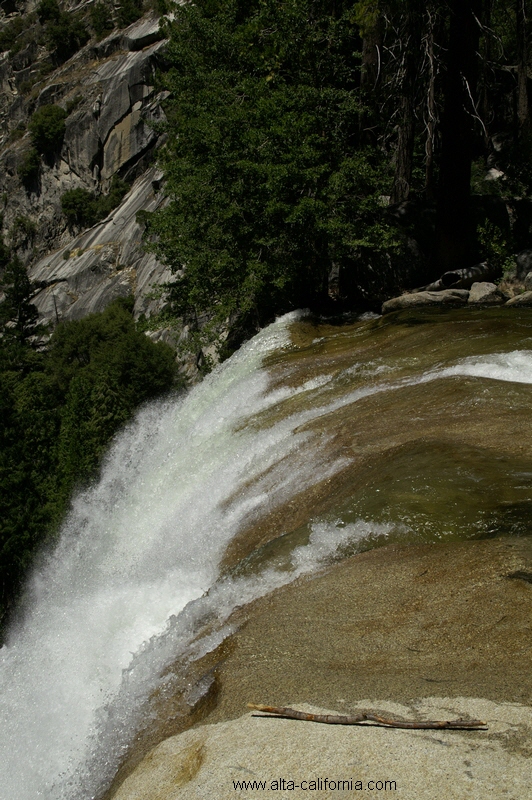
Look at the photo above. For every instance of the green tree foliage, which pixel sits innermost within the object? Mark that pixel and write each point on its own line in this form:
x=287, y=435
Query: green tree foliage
x=129, y=11
x=101, y=19
x=60, y=408
x=83, y=208
x=66, y=36
x=65, y=32
x=20, y=33
x=27, y=459
x=48, y=11
x=268, y=190
x=107, y=202
x=47, y=129
x=22, y=231
x=79, y=207
x=18, y=315
x=10, y=34
x=366, y=14
x=285, y=121
x=29, y=168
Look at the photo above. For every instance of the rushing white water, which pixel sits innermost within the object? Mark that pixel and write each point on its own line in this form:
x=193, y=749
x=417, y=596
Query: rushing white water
x=134, y=551
x=125, y=590
x=515, y=367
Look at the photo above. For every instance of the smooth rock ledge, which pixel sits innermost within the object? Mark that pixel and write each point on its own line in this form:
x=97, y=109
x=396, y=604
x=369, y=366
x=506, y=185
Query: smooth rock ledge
x=213, y=761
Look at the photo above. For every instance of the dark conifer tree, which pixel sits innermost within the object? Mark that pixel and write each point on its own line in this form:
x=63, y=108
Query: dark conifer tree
x=459, y=119
x=523, y=108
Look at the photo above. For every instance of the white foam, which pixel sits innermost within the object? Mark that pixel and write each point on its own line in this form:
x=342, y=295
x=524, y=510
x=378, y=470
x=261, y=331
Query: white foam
x=327, y=539
x=136, y=548
x=515, y=366
x=181, y=639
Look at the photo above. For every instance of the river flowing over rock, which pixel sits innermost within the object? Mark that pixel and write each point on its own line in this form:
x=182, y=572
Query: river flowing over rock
x=368, y=482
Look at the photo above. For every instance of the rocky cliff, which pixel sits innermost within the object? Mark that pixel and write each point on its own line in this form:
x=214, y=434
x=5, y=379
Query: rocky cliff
x=107, y=90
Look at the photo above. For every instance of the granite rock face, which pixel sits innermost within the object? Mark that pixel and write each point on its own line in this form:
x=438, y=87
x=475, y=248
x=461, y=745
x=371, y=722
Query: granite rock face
x=381, y=631
x=107, y=89
x=523, y=263
x=104, y=262
x=208, y=762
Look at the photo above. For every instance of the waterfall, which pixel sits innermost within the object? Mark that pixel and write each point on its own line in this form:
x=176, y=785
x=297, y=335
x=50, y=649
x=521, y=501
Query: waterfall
x=135, y=550
x=137, y=566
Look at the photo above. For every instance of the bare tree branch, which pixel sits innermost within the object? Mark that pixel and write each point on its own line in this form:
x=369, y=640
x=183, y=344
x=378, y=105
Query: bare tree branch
x=368, y=716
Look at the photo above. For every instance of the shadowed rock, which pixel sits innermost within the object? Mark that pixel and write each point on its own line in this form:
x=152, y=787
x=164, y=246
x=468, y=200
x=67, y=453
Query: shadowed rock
x=521, y=300
x=447, y=297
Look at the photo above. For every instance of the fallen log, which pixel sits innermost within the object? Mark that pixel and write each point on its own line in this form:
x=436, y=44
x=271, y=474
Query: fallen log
x=368, y=716
x=460, y=278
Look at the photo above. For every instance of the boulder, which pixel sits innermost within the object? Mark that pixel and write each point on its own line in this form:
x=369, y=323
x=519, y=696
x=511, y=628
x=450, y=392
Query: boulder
x=486, y=294
x=521, y=300
x=447, y=297
x=524, y=264
x=141, y=34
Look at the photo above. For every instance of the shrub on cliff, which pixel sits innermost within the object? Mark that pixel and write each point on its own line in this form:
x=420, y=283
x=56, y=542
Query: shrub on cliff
x=10, y=34
x=66, y=36
x=65, y=32
x=101, y=19
x=22, y=231
x=130, y=11
x=48, y=11
x=29, y=167
x=47, y=129
x=117, y=191
x=79, y=207
x=18, y=315
x=84, y=208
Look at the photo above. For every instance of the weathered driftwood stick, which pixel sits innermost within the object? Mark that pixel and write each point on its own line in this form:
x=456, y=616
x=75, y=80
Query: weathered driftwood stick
x=364, y=716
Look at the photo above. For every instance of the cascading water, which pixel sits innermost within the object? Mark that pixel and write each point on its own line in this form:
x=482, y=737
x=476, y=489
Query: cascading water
x=134, y=551
x=138, y=563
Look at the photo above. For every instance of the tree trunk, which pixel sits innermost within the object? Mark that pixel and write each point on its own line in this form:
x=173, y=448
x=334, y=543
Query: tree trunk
x=371, y=57
x=404, y=154
x=405, y=141
x=523, y=115
x=369, y=77
x=454, y=232
x=430, y=109
x=485, y=101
